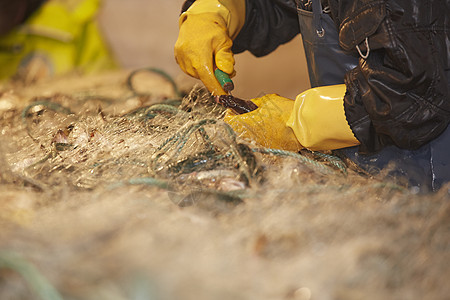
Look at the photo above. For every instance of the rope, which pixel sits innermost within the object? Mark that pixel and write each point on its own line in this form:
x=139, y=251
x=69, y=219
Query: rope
x=156, y=71
x=180, y=138
x=40, y=285
x=47, y=104
x=178, y=141
x=149, y=112
x=334, y=160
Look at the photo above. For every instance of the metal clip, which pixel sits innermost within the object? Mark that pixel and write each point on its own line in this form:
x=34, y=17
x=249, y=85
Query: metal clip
x=366, y=42
x=321, y=32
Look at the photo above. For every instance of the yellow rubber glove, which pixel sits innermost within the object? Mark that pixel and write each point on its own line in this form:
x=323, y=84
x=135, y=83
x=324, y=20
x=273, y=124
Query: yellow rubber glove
x=315, y=120
x=205, y=39
x=267, y=124
x=318, y=119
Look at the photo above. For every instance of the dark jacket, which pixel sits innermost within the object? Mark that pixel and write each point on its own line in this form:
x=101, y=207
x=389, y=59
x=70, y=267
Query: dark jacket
x=399, y=95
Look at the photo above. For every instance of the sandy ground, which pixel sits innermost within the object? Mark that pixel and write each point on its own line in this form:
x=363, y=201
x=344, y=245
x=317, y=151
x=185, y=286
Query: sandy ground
x=76, y=223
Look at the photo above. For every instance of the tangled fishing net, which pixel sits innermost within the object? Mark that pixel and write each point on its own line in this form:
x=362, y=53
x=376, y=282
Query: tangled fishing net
x=124, y=187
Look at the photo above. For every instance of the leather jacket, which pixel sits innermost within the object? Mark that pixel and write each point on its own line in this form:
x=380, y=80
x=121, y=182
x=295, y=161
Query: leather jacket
x=399, y=94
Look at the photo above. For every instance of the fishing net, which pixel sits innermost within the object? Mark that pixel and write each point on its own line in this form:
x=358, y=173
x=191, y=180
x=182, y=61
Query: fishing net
x=110, y=185
x=79, y=140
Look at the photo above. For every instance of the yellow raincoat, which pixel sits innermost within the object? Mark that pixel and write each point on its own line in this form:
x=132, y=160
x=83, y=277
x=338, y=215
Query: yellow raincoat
x=61, y=36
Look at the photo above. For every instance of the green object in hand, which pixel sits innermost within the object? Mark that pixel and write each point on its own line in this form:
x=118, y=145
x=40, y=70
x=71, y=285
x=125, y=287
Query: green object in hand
x=224, y=80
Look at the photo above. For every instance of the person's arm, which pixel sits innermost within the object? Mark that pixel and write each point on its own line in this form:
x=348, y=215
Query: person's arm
x=268, y=24
x=399, y=93
x=204, y=41
x=315, y=121
x=211, y=31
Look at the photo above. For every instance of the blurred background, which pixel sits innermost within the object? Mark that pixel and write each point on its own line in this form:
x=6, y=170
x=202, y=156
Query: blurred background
x=142, y=33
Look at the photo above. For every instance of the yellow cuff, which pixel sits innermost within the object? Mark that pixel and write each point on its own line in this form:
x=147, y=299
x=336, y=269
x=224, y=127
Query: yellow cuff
x=318, y=119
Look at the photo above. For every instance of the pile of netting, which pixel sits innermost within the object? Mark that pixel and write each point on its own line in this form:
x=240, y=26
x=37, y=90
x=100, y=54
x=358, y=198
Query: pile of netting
x=179, y=144
x=125, y=186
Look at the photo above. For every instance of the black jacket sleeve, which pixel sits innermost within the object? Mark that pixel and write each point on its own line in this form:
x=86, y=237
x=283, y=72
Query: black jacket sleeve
x=268, y=24
x=399, y=94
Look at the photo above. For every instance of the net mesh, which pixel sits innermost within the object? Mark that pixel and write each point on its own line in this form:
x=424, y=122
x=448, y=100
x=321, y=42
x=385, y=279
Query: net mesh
x=80, y=139
x=122, y=185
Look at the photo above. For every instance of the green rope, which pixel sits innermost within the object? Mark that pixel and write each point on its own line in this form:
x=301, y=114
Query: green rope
x=190, y=130
x=47, y=104
x=334, y=160
x=40, y=285
x=156, y=71
x=149, y=112
x=180, y=138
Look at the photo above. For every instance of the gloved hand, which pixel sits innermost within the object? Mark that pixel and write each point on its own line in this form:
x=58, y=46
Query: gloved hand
x=316, y=121
x=205, y=39
x=267, y=124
